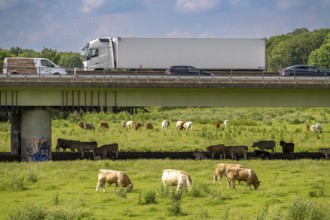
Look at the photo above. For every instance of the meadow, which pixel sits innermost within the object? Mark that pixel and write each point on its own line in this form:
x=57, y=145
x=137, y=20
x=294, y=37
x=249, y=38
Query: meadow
x=247, y=125
x=296, y=189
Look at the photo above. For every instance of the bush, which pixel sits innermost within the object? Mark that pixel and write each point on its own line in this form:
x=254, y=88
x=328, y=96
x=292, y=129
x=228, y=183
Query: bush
x=175, y=205
x=28, y=212
x=302, y=209
x=150, y=198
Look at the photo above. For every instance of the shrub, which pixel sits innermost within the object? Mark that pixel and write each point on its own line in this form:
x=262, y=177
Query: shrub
x=306, y=210
x=28, y=212
x=175, y=205
x=150, y=197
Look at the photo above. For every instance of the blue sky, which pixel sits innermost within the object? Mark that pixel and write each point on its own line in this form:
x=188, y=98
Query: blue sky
x=67, y=25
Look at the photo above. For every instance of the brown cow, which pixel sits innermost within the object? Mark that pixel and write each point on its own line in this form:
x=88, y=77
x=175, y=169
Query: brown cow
x=104, y=124
x=217, y=149
x=85, y=146
x=137, y=125
x=64, y=144
x=148, y=125
x=221, y=169
x=104, y=149
x=242, y=174
x=307, y=127
x=82, y=125
x=233, y=150
x=179, y=124
x=217, y=125
x=119, y=178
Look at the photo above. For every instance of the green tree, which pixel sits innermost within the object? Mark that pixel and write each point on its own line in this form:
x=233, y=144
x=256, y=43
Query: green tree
x=69, y=59
x=321, y=56
x=3, y=55
x=50, y=54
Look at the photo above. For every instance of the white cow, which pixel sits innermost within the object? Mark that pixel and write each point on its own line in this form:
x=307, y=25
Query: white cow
x=317, y=128
x=226, y=123
x=177, y=178
x=129, y=124
x=187, y=125
x=165, y=124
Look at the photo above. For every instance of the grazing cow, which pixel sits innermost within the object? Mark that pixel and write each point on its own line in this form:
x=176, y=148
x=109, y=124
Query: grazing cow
x=177, y=178
x=233, y=150
x=317, y=128
x=85, y=146
x=104, y=149
x=104, y=124
x=262, y=154
x=226, y=123
x=179, y=124
x=187, y=125
x=217, y=149
x=165, y=124
x=89, y=126
x=119, y=178
x=221, y=169
x=217, y=125
x=64, y=144
x=129, y=124
x=287, y=147
x=307, y=127
x=123, y=124
x=137, y=126
x=325, y=151
x=82, y=125
x=265, y=145
x=199, y=155
x=148, y=125
x=242, y=174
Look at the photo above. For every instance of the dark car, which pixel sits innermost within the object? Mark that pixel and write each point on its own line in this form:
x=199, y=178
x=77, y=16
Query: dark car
x=303, y=70
x=186, y=71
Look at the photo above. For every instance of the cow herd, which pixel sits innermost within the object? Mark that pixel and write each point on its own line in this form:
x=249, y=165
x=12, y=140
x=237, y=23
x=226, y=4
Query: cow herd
x=181, y=180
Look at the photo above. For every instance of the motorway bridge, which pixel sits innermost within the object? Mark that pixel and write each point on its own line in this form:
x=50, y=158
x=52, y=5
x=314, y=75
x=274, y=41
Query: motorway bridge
x=29, y=98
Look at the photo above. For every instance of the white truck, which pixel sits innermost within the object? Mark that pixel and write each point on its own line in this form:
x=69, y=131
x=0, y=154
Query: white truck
x=160, y=53
x=31, y=66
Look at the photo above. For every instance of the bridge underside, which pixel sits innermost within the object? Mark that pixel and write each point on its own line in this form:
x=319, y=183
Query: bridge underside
x=11, y=99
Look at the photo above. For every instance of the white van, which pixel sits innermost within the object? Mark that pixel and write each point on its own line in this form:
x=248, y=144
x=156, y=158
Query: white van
x=31, y=66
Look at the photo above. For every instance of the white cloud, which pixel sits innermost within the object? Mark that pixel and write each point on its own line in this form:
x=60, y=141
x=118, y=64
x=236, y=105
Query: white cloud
x=91, y=5
x=195, y=5
x=239, y=3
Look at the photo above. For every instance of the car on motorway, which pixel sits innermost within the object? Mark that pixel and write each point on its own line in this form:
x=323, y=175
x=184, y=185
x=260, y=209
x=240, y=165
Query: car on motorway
x=186, y=71
x=303, y=70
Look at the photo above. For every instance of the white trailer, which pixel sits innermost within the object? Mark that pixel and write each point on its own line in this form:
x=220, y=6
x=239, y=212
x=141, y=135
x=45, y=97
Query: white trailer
x=160, y=53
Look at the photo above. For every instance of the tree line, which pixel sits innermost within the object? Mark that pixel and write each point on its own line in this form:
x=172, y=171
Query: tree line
x=300, y=46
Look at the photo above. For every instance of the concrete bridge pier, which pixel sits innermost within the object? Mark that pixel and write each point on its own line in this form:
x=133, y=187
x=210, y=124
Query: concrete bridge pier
x=35, y=134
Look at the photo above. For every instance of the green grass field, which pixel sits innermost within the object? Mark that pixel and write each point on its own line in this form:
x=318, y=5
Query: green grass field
x=66, y=190
x=246, y=126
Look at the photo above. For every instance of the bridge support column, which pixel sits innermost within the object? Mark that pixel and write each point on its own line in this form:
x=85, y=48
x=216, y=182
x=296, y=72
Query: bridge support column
x=16, y=134
x=36, y=134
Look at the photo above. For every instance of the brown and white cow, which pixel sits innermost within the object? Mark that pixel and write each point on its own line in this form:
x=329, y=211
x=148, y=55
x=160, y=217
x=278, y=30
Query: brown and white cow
x=325, y=151
x=123, y=124
x=89, y=126
x=64, y=144
x=234, y=150
x=242, y=174
x=83, y=146
x=221, y=170
x=119, y=178
x=177, y=178
x=217, y=149
x=179, y=124
x=104, y=149
x=317, y=128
